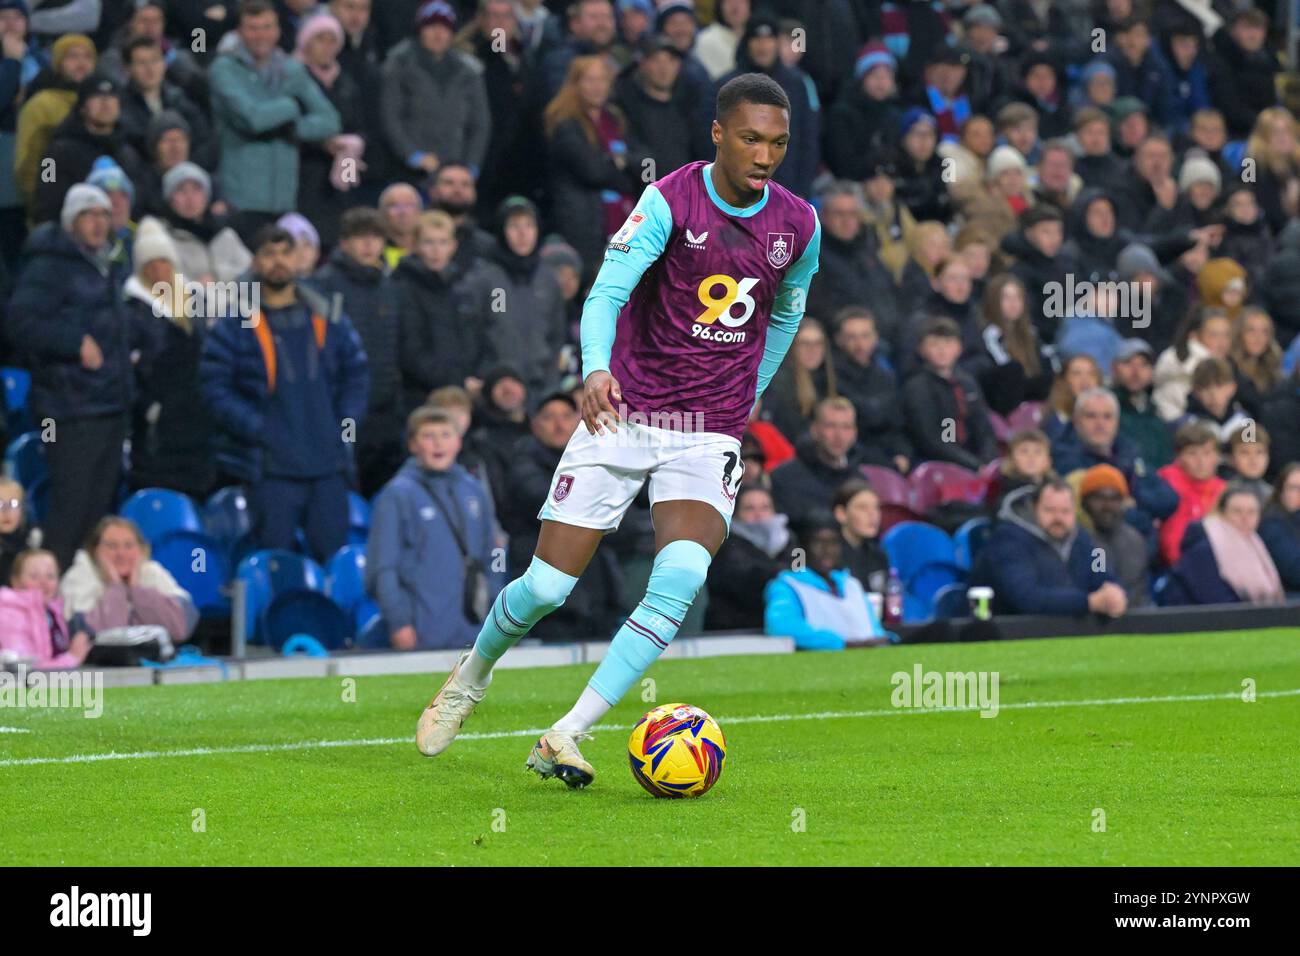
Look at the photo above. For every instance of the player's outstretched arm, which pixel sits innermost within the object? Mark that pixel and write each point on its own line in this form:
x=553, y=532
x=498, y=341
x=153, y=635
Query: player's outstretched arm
x=788, y=309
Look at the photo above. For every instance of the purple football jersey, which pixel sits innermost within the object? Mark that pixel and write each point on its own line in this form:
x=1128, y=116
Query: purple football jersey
x=690, y=338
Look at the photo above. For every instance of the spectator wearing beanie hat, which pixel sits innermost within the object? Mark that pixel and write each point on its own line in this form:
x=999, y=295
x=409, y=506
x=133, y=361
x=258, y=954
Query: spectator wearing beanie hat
x=167, y=144
x=1103, y=499
x=72, y=59
x=90, y=131
x=111, y=178
x=921, y=187
x=1199, y=184
x=68, y=318
x=435, y=106
x=209, y=247
x=1005, y=193
x=171, y=436
x=863, y=124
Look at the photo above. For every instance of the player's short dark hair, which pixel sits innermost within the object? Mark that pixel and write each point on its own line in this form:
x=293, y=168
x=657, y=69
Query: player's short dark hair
x=758, y=88
x=361, y=221
x=271, y=235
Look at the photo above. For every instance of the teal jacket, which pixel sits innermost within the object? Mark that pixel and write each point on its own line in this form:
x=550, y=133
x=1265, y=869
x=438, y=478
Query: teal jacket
x=259, y=125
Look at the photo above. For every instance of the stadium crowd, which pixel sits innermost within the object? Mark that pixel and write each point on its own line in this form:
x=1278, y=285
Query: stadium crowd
x=1059, y=278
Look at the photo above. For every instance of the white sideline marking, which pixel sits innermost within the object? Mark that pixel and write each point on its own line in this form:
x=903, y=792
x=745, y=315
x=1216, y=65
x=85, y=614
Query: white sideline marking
x=538, y=731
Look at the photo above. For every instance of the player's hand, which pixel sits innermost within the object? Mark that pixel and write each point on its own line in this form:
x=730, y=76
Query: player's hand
x=403, y=638
x=598, y=411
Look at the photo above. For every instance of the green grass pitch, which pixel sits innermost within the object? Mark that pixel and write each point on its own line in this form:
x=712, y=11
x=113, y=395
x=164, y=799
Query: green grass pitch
x=837, y=776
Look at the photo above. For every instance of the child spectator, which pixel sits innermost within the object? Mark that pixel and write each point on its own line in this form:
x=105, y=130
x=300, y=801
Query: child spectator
x=1225, y=560
x=1028, y=461
x=1248, y=459
x=1214, y=398
x=432, y=533
x=856, y=507
x=946, y=416
x=114, y=583
x=1192, y=476
x=821, y=606
x=32, y=622
x=15, y=535
x=1103, y=499
x=1206, y=334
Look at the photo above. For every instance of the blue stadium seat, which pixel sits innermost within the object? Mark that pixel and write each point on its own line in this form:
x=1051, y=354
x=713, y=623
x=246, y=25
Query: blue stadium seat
x=18, y=413
x=969, y=539
x=226, y=517
x=181, y=552
x=950, y=601
x=358, y=518
x=926, y=561
x=269, y=573
x=38, y=499
x=303, y=611
x=25, y=459
x=345, y=576
x=159, y=512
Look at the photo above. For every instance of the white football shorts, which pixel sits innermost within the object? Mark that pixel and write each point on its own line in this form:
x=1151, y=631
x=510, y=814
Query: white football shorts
x=599, y=475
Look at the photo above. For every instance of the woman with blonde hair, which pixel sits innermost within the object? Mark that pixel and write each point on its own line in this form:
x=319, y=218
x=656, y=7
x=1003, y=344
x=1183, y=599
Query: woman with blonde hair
x=588, y=159
x=805, y=377
x=1255, y=351
x=928, y=244
x=115, y=584
x=1274, y=145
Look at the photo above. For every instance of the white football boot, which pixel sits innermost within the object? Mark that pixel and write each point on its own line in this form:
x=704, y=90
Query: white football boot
x=556, y=754
x=442, y=719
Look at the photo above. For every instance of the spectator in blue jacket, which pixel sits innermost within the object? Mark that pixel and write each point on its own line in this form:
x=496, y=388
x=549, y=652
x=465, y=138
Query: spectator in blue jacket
x=287, y=390
x=432, y=561
x=1093, y=438
x=1189, y=72
x=69, y=321
x=822, y=605
x=1039, y=561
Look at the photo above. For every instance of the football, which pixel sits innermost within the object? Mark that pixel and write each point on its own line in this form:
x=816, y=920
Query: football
x=676, y=751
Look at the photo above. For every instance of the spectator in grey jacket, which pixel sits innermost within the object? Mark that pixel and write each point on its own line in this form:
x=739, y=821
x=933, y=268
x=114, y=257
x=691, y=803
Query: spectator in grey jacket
x=435, y=106
x=430, y=526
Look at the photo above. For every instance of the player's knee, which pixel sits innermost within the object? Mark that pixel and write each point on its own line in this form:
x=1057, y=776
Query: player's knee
x=547, y=586
x=680, y=568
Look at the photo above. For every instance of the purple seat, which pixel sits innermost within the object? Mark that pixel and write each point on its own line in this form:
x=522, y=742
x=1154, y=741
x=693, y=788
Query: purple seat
x=1026, y=415
x=889, y=484
x=934, y=482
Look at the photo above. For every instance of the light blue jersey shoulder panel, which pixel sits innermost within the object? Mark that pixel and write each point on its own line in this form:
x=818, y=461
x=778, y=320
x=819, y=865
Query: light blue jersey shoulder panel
x=631, y=251
x=788, y=308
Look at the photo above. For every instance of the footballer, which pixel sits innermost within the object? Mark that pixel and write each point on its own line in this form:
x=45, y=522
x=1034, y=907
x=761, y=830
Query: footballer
x=696, y=303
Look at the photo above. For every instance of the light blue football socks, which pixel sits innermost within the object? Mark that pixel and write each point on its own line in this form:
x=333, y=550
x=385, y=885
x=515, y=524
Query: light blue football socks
x=677, y=576
x=521, y=604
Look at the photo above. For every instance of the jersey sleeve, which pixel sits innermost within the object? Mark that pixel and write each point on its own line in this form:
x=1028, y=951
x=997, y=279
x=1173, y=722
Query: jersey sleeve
x=631, y=251
x=788, y=308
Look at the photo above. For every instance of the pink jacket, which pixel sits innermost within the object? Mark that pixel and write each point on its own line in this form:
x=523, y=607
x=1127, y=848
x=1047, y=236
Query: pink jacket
x=24, y=627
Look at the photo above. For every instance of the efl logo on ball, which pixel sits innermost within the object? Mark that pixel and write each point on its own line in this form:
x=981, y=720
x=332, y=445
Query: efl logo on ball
x=780, y=247
x=563, y=487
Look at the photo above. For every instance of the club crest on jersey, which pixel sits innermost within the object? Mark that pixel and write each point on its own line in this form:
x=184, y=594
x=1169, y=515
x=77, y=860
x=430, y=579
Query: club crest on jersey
x=696, y=242
x=563, y=487
x=780, y=248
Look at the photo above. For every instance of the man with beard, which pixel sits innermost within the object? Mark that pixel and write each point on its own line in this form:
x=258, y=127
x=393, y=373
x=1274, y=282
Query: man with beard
x=287, y=389
x=1039, y=561
x=454, y=192
x=1103, y=495
x=851, y=271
